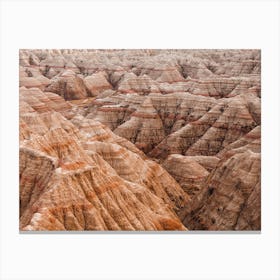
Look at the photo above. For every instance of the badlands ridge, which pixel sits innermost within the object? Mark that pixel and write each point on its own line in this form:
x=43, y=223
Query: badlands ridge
x=140, y=139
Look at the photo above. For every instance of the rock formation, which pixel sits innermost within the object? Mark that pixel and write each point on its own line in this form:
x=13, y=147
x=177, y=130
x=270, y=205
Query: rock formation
x=75, y=174
x=140, y=139
x=187, y=172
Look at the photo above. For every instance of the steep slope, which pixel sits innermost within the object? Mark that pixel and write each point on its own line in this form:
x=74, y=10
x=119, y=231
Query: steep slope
x=140, y=139
x=65, y=183
x=187, y=172
x=231, y=197
x=144, y=128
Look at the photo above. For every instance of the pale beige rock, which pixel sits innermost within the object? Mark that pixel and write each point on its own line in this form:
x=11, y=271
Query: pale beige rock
x=145, y=127
x=142, y=85
x=68, y=85
x=31, y=82
x=187, y=172
x=96, y=83
x=208, y=162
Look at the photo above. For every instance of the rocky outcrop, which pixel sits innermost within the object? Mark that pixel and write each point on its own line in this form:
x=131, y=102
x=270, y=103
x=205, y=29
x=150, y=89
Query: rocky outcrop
x=230, y=191
x=223, y=124
x=31, y=82
x=208, y=162
x=68, y=85
x=145, y=127
x=230, y=198
x=96, y=83
x=130, y=83
x=187, y=172
x=71, y=176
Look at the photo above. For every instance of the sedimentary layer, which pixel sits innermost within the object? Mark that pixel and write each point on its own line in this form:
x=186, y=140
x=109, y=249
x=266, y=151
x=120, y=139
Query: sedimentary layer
x=140, y=139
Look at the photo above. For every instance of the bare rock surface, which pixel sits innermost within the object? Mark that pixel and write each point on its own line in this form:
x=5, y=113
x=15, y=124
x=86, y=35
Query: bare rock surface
x=75, y=174
x=96, y=83
x=231, y=193
x=140, y=139
x=187, y=172
x=68, y=85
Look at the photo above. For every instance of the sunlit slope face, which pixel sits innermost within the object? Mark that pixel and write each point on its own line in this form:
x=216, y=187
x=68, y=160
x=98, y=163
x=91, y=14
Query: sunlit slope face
x=76, y=174
x=140, y=139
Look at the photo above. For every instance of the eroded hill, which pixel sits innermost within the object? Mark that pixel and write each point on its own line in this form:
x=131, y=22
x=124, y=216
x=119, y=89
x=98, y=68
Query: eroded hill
x=140, y=139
